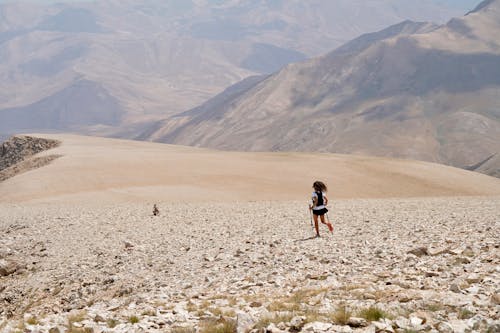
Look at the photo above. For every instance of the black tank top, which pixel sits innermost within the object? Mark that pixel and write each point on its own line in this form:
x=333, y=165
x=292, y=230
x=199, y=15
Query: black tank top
x=320, y=199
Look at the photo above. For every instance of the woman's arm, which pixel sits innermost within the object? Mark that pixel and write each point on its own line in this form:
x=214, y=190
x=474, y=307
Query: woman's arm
x=314, y=202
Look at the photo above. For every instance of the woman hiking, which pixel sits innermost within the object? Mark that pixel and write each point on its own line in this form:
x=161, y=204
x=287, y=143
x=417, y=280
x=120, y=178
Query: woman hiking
x=318, y=206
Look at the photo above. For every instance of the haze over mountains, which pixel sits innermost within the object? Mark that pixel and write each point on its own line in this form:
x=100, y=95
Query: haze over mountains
x=108, y=67
x=413, y=90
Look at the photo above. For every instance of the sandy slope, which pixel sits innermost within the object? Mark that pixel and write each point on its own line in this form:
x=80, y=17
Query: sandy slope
x=98, y=169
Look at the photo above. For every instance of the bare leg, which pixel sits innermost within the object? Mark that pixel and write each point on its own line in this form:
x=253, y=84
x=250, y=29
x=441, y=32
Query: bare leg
x=316, y=224
x=329, y=225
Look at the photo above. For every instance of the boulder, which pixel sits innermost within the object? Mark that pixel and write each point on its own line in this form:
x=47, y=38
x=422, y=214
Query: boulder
x=357, y=322
x=317, y=326
x=271, y=328
x=383, y=325
x=8, y=267
x=297, y=323
x=244, y=322
x=419, y=251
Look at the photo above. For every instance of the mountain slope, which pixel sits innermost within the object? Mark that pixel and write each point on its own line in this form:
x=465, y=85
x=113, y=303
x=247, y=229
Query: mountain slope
x=91, y=168
x=157, y=58
x=411, y=91
x=81, y=104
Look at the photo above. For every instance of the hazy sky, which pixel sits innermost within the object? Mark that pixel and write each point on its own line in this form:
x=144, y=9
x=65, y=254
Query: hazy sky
x=466, y=4
x=463, y=4
x=44, y=1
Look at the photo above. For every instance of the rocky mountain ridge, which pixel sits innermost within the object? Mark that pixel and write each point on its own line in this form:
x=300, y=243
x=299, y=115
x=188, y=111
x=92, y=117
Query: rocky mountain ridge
x=114, y=67
x=18, y=154
x=410, y=91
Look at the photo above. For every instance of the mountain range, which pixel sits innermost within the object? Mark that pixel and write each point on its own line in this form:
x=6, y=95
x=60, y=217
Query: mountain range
x=414, y=90
x=113, y=67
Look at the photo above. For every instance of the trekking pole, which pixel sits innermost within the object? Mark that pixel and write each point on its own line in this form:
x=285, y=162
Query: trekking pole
x=311, y=219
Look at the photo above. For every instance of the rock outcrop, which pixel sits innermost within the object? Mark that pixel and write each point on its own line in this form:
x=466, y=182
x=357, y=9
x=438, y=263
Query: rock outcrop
x=18, y=154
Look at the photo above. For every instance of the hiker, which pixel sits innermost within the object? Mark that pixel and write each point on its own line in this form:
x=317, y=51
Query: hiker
x=156, y=211
x=318, y=206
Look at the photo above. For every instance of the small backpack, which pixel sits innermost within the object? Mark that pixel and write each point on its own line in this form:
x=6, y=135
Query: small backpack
x=320, y=199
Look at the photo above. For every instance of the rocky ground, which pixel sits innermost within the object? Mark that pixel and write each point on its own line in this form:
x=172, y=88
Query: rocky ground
x=398, y=265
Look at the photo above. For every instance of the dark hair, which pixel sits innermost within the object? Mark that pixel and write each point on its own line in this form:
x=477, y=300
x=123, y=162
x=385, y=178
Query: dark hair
x=319, y=186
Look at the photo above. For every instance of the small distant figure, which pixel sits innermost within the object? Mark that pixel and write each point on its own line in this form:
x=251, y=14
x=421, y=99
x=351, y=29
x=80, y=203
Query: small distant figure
x=156, y=211
x=318, y=205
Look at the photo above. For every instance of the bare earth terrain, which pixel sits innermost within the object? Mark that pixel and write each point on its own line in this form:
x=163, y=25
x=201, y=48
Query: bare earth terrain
x=92, y=169
x=415, y=245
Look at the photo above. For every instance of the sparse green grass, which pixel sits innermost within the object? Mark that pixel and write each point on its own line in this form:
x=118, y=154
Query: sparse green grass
x=341, y=315
x=295, y=301
x=373, y=313
x=179, y=329
x=302, y=296
x=276, y=306
x=298, y=297
x=77, y=317
x=226, y=326
x=382, y=295
x=465, y=314
x=215, y=311
x=204, y=305
x=313, y=315
x=73, y=329
x=433, y=307
x=160, y=304
x=232, y=301
x=191, y=307
x=350, y=287
x=133, y=319
x=275, y=319
x=250, y=298
x=149, y=313
x=229, y=313
x=112, y=323
x=32, y=321
x=21, y=326
x=216, y=297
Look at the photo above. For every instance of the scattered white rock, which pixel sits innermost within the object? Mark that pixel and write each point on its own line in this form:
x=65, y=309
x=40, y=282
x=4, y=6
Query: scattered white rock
x=244, y=322
x=209, y=262
x=8, y=267
x=357, y=322
x=317, y=327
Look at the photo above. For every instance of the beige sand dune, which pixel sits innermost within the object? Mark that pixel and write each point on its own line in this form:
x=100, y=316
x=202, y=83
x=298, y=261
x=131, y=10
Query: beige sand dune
x=101, y=169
